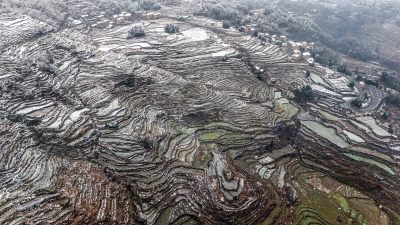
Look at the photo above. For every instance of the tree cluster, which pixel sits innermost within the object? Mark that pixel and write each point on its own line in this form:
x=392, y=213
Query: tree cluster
x=393, y=100
x=222, y=12
x=391, y=80
x=352, y=48
x=303, y=28
x=325, y=56
x=342, y=67
x=115, y=7
x=304, y=94
x=55, y=12
x=149, y=5
x=272, y=21
x=275, y=21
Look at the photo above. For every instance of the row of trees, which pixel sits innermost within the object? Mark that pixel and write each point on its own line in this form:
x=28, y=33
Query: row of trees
x=235, y=17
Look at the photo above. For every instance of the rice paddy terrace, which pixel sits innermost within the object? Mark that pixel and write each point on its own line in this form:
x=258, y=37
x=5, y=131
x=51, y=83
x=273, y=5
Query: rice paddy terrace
x=177, y=128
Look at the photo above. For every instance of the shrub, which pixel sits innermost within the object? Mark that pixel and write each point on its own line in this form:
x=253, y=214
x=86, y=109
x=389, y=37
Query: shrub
x=171, y=28
x=356, y=103
x=254, y=33
x=343, y=69
x=183, y=18
x=135, y=32
x=226, y=24
x=371, y=82
x=351, y=84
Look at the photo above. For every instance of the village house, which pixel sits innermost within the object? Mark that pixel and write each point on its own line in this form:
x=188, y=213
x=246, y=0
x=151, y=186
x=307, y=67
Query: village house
x=284, y=46
x=297, y=52
x=103, y=24
x=294, y=45
x=152, y=16
x=296, y=57
x=283, y=38
x=274, y=38
x=139, y=13
x=306, y=55
x=247, y=29
x=183, y=18
x=310, y=61
x=263, y=36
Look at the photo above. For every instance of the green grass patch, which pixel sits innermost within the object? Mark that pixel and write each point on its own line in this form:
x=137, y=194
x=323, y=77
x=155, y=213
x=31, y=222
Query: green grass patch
x=326, y=132
x=285, y=110
x=354, y=214
x=371, y=161
x=222, y=136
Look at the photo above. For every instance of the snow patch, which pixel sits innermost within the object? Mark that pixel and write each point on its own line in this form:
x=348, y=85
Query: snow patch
x=353, y=137
x=324, y=90
x=195, y=34
x=223, y=53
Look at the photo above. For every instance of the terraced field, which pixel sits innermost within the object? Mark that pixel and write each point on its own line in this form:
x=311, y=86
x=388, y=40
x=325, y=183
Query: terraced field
x=178, y=129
